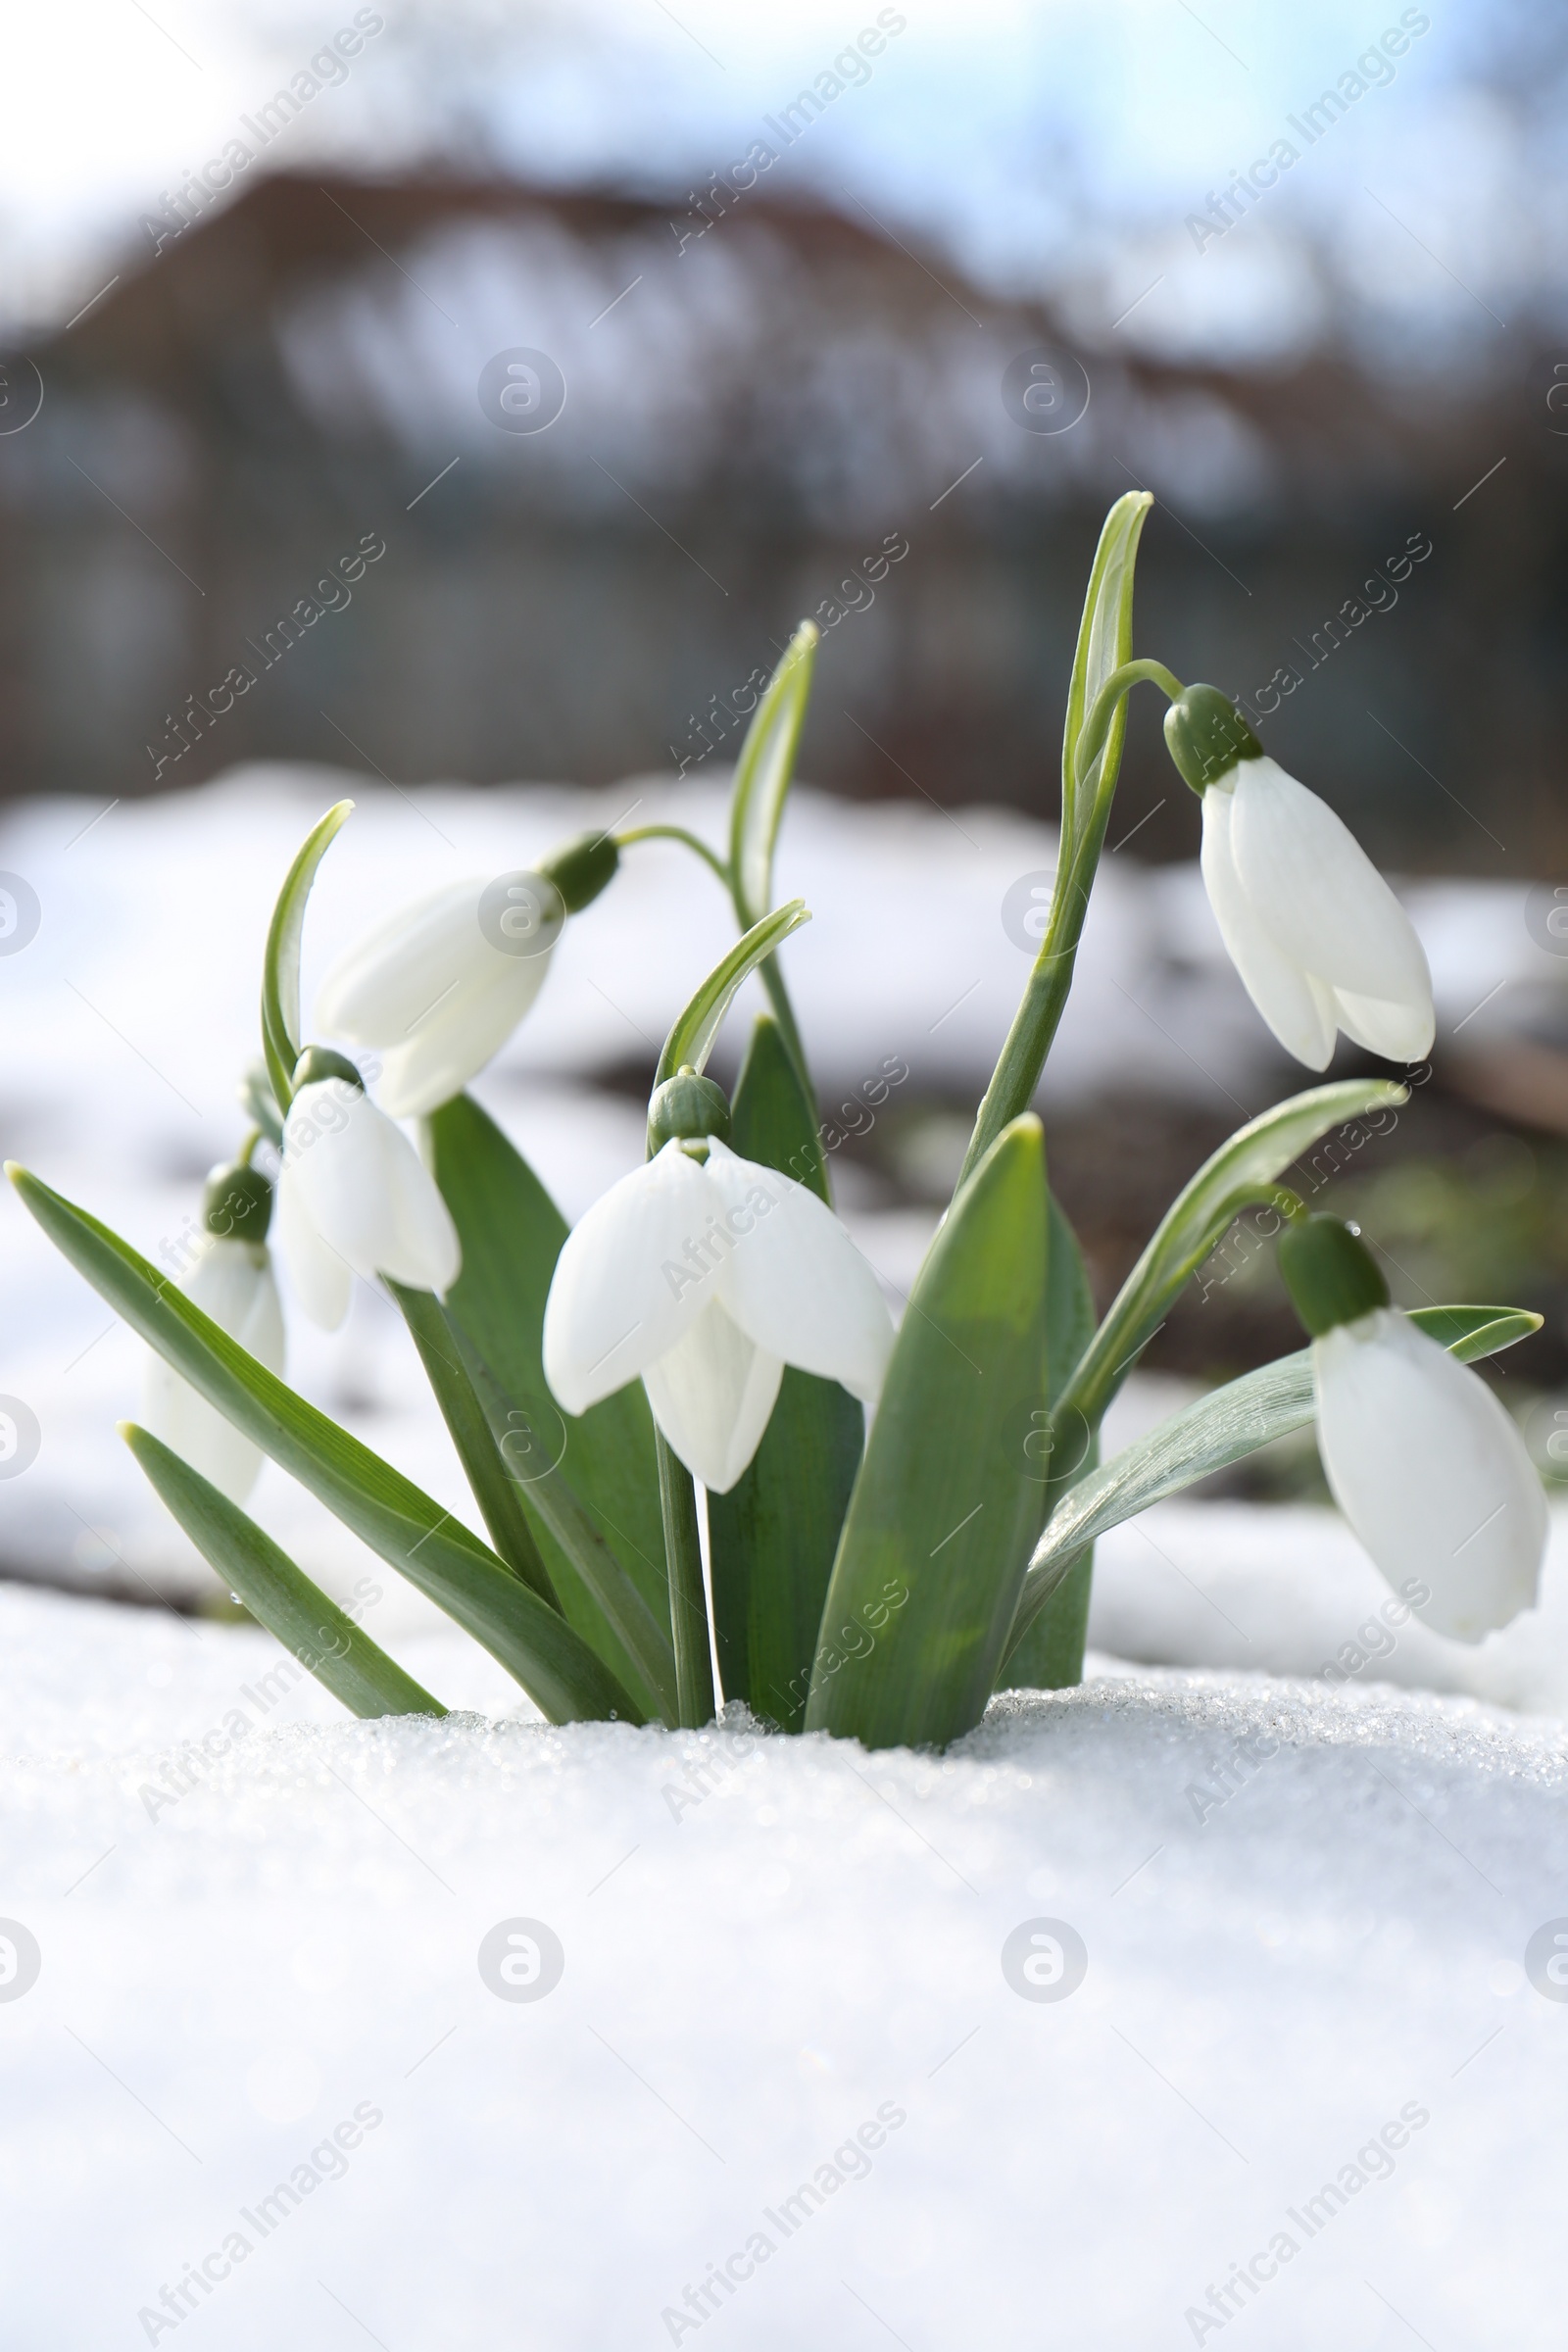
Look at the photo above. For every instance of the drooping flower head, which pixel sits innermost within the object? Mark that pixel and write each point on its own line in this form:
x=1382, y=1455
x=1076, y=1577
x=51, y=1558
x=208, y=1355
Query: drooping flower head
x=1318, y=938
x=354, y=1196
x=705, y=1274
x=1422, y=1459
x=439, y=985
x=230, y=1279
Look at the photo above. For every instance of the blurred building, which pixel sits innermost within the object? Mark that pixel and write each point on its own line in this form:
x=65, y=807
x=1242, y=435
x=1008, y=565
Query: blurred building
x=284, y=498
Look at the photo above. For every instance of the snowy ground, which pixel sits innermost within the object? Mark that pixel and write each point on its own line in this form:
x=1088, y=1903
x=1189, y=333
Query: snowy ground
x=262, y=2086
x=1306, y=2017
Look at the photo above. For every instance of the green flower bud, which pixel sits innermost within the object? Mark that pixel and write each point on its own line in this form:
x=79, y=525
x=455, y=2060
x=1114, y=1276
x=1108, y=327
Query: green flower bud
x=1330, y=1273
x=689, y=1108
x=581, y=868
x=238, y=1203
x=1206, y=735
x=319, y=1062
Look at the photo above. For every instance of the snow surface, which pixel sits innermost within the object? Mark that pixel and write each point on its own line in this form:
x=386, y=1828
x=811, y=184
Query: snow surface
x=1305, y=1914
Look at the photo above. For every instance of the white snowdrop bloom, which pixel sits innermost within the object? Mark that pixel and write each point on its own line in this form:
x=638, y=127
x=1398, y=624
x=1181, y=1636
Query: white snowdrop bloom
x=1318, y=938
x=438, y=987
x=230, y=1280
x=433, y=995
x=707, y=1278
x=1422, y=1459
x=1430, y=1471
x=354, y=1196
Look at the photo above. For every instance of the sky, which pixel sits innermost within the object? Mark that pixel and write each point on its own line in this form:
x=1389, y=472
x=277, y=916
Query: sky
x=1048, y=147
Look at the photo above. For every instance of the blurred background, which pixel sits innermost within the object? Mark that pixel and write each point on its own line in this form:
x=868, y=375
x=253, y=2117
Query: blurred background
x=476, y=395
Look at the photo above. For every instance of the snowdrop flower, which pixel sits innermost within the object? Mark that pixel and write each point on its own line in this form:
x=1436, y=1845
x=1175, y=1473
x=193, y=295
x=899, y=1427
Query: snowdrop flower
x=439, y=985
x=1420, y=1456
x=354, y=1196
x=1319, y=939
x=707, y=1274
x=231, y=1280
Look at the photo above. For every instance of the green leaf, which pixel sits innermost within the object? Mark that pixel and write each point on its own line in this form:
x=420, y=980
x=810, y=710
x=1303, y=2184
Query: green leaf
x=511, y=1233
x=437, y=1552
x=1222, y=1428
x=280, y=973
x=471, y=1432
x=763, y=773
x=934, y=1550
x=311, y=1627
x=1243, y=1171
x=1052, y=1655
x=1070, y=1305
x=1105, y=643
x=772, y=1537
x=691, y=1039
x=631, y=1623
x=1472, y=1332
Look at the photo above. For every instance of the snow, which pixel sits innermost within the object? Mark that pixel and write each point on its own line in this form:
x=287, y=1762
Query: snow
x=1304, y=1910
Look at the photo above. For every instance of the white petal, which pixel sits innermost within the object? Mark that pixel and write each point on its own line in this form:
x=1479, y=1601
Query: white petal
x=358, y=1184
x=1315, y=890
x=456, y=1040
x=1297, y=1008
x=712, y=1395
x=1430, y=1472
x=1399, y=1032
x=625, y=1289
x=379, y=991
x=793, y=1279
x=232, y=1282
x=322, y=1278
x=418, y=1243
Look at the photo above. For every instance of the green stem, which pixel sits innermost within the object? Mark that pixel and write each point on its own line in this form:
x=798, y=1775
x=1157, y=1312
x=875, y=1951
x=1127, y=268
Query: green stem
x=711, y=858
x=1034, y=1024
x=772, y=977
x=688, y=1601
x=1102, y=710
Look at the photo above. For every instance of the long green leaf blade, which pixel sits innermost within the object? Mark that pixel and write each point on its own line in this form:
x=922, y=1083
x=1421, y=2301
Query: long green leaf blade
x=1243, y=1170
x=280, y=971
x=1105, y=643
x=630, y=1620
x=471, y=1432
x=311, y=1627
x=407, y=1530
x=1217, y=1430
x=511, y=1233
x=691, y=1039
x=1052, y=1655
x=934, y=1550
x=772, y=1537
x=765, y=772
